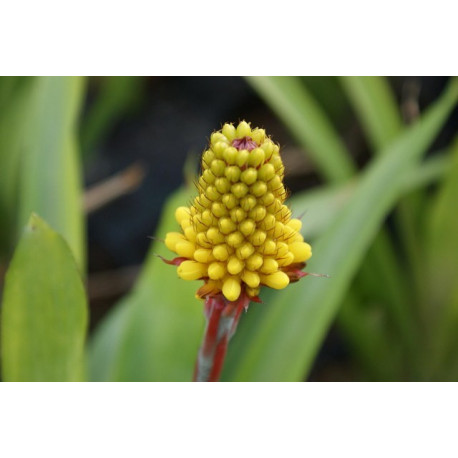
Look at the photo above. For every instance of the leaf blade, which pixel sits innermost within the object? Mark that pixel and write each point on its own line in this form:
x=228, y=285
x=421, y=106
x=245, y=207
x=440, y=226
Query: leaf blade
x=154, y=333
x=302, y=115
x=44, y=312
x=50, y=175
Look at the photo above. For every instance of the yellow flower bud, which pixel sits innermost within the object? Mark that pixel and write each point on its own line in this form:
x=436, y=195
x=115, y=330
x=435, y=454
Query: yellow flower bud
x=232, y=288
x=192, y=270
x=249, y=176
x=247, y=227
x=229, y=131
x=245, y=251
x=254, y=262
x=203, y=255
x=258, y=189
x=218, y=209
x=251, y=278
x=242, y=157
x=222, y=185
x=248, y=202
x=230, y=155
x=302, y=251
x=266, y=172
x=218, y=167
x=221, y=252
x=215, y=236
x=230, y=201
x=216, y=270
x=185, y=249
x=235, y=265
x=237, y=215
x=226, y=225
x=258, y=135
x=243, y=130
x=239, y=190
x=277, y=280
x=257, y=157
x=235, y=239
x=258, y=238
x=182, y=213
x=295, y=224
x=269, y=266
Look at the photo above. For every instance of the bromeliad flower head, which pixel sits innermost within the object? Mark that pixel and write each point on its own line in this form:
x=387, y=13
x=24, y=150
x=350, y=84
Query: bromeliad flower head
x=238, y=235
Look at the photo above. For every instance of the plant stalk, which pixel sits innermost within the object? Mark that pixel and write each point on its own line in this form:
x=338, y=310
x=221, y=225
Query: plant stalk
x=222, y=319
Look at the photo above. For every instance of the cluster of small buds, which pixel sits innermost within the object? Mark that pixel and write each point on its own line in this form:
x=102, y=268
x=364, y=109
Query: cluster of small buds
x=238, y=235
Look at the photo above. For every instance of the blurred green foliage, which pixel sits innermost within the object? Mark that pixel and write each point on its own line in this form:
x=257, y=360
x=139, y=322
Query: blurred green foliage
x=44, y=311
x=392, y=290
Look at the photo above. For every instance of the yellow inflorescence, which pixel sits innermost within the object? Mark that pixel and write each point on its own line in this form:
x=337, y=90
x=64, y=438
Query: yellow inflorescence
x=238, y=233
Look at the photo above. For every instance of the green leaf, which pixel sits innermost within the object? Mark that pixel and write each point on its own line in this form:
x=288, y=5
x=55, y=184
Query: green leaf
x=283, y=344
x=154, y=334
x=441, y=271
x=118, y=96
x=442, y=242
x=50, y=176
x=376, y=106
x=15, y=106
x=300, y=113
x=322, y=205
x=44, y=313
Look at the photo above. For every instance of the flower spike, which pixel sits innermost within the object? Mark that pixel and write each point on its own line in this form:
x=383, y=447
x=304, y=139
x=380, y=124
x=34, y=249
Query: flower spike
x=237, y=235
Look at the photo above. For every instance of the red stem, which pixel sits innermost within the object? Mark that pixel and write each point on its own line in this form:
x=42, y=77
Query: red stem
x=222, y=319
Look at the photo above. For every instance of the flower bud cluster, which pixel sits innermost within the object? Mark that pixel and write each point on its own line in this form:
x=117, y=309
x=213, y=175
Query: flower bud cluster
x=238, y=234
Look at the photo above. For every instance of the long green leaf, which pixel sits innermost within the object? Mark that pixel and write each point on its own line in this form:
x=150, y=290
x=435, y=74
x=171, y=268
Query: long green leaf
x=442, y=235
x=154, y=334
x=15, y=107
x=44, y=312
x=117, y=97
x=283, y=345
x=441, y=291
x=379, y=115
x=376, y=106
x=50, y=181
x=300, y=113
x=322, y=205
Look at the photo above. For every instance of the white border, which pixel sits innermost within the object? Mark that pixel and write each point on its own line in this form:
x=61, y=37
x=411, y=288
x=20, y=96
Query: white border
x=228, y=38
x=228, y=419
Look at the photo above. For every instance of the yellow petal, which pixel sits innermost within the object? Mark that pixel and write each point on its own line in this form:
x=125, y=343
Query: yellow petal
x=254, y=262
x=269, y=266
x=251, y=278
x=182, y=213
x=229, y=131
x=203, y=255
x=245, y=251
x=172, y=238
x=231, y=288
x=185, y=249
x=243, y=130
x=192, y=270
x=235, y=265
x=301, y=251
x=190, y=234
x=277, y=280
x=216, y=270
x=247, y=227
x=221, y=252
